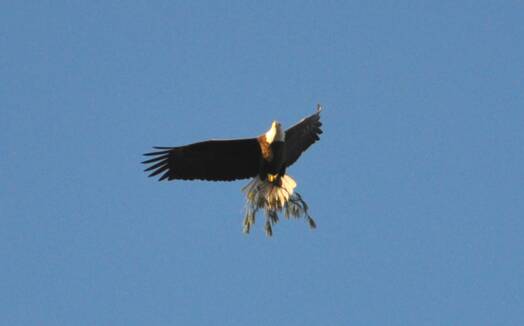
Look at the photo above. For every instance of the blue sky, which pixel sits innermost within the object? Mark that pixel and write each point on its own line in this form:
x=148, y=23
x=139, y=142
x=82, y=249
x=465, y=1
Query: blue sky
x=416, y=184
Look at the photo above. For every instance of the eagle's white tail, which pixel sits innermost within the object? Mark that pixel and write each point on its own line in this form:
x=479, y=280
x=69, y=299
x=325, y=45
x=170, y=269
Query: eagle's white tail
x=272, y=199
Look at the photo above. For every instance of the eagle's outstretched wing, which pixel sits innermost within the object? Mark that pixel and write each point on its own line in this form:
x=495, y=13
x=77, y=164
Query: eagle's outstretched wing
x=215, y=160
x=302, y=135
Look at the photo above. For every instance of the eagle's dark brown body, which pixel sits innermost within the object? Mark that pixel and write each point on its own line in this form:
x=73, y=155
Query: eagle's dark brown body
x=272, y=160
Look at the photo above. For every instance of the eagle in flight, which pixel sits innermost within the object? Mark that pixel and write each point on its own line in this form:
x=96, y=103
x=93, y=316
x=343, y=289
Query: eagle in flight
x=264, y=158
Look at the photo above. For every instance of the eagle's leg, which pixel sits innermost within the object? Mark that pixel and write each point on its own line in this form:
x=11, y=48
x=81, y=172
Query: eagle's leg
x=279, y=176
x=275, y=179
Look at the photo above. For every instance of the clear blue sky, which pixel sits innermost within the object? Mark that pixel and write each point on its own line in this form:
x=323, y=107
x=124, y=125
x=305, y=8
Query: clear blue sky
x=416, y=184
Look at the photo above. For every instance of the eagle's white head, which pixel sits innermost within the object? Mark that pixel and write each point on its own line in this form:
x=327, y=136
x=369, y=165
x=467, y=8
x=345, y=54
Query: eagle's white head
x=275, y=133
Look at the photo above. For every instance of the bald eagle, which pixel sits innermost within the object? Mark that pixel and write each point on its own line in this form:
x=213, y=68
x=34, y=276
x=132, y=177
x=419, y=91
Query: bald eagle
x=264, y=158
